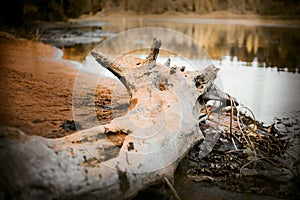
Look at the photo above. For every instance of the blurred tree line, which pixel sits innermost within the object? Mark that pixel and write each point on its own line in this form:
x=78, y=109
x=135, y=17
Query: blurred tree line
x=16, y=12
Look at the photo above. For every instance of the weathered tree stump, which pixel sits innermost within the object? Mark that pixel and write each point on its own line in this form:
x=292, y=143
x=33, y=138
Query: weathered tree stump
x=159, y=128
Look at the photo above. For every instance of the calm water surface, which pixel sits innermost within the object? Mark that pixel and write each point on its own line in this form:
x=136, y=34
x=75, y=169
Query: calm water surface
x=259, y=62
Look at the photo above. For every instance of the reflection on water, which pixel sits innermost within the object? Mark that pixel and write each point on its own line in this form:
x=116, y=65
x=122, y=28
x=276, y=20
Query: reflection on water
x=267, y=92
x=269, y=46
x=253, y=59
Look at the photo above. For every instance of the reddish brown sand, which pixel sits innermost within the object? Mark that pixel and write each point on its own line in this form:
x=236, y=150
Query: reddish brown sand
x=35, y=86
x=36, y=91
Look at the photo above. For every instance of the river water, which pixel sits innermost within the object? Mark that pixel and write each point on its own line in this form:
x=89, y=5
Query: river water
x=259, y=62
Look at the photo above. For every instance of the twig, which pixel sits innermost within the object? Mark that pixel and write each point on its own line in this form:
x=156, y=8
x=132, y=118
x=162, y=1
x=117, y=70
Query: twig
x=231, y=114
x=232, y=151
x=234, y=143
x=153, y=53
x=249, y=142
x=227, y=127
x=207, y=111
x=270, y=160
x=172, y=189
x=248, y=163
x=243, y=134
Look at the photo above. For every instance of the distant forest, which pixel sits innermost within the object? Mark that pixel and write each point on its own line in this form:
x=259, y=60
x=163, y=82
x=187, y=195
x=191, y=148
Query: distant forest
x=22, y=11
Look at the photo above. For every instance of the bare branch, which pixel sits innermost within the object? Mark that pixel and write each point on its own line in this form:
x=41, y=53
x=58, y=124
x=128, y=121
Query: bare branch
x=152, y=55
x=107, y=62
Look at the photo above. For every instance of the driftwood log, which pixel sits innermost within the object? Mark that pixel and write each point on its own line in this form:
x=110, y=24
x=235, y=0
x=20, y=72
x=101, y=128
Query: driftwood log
x=160, y=126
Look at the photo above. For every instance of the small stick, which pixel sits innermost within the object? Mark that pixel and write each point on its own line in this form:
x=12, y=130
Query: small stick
x=270, y=160
x=248, y=163
x=234, y=143
x=152, y=55
x=231, y=114
x=241, y=129
x=172, y=189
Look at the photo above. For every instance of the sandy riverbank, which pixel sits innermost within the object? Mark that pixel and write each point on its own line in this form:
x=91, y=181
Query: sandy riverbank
x=36, y=87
